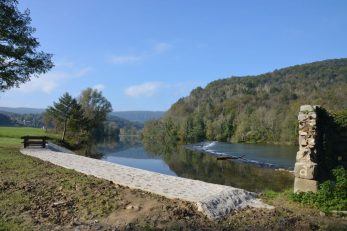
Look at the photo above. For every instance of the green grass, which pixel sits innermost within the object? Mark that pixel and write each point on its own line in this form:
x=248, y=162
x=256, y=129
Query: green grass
x=9, y=142
x=17, y=132
x=270, y=194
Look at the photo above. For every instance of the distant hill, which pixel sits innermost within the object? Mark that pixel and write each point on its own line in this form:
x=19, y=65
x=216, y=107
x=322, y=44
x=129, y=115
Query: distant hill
x=34, y=120
x=123, y=123
x=22, y=110
x=260, y=108
x=139, y=116
x=21, y=116
x=133, y=116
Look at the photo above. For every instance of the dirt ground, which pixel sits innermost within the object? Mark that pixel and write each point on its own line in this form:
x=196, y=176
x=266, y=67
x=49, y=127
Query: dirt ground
x=35, y=195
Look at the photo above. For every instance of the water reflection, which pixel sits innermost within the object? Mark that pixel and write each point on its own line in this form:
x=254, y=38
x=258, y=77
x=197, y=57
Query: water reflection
x=267, y=155
x=186, y=163
x=201, y=166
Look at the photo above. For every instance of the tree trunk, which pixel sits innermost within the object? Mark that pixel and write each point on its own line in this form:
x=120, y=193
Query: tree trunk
x=64, y=131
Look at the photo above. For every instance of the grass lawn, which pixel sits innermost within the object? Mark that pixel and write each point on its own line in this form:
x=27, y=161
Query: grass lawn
x=9, y=142
x=17, y=132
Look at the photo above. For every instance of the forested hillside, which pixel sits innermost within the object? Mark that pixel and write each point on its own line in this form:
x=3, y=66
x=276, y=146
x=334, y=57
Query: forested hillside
x=34, y=120
x=259, y=108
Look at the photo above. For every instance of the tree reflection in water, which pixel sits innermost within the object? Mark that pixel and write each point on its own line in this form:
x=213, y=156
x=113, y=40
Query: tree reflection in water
x=201, y=166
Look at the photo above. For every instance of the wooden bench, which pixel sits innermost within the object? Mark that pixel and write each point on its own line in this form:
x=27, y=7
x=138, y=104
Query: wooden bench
x=38, y=141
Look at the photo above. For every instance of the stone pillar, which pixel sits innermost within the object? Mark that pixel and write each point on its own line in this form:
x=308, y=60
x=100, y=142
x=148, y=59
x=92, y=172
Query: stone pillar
x=306, y=159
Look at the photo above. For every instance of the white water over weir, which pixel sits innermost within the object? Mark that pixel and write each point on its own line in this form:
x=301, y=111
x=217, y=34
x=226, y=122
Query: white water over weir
x=211, y=199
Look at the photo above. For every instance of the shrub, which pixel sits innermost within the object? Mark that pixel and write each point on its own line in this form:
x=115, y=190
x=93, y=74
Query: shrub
x=332, y=194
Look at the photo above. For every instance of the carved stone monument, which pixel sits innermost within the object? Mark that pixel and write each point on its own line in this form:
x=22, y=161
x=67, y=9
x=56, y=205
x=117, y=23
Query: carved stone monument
x=306, y=159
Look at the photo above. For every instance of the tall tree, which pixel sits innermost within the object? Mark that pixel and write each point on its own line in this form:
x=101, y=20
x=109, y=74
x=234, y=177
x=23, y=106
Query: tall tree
x=95, y=108
x=19, y=57
x=63, y=111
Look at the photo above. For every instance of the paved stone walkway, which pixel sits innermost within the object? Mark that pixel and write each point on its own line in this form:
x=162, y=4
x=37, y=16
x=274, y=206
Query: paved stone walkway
x=211, y=199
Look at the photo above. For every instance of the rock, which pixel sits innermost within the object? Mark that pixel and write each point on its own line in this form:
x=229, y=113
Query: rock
x=311, y=142
x=65, y=213
x=306, y=108
x=304, y=185
x=303, y=155
x=312, y=115
x=312, y=123
x=322, y=214
x=55, y=204
x=302, y=141
x=302, y=116
x=305, y=170
x=129, y=207
x=129, y=226
x=133, y=207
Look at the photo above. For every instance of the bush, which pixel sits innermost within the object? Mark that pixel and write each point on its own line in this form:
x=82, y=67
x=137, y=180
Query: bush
x=332, y=194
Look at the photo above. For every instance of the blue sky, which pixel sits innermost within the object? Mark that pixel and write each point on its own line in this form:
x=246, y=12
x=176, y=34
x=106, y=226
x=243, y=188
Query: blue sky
x=146, y=54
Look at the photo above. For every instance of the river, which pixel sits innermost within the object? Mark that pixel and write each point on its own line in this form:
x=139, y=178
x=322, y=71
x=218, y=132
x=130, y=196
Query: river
x=256, y=171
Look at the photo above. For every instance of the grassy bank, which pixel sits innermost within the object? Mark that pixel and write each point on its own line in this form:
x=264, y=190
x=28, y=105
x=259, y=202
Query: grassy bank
x=36, y=195
x=17, y=132
x=13, y=135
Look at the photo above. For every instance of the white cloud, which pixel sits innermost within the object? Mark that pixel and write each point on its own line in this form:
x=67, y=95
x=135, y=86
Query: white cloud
x=82, y=72
x=162, y=47
x=157, y=49
x=150, y=88
x=145, y=89
x=125, y=59
x=99, y=87
x=48, y=82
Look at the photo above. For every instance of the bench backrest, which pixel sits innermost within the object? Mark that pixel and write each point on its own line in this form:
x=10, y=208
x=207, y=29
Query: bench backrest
x=34, y=137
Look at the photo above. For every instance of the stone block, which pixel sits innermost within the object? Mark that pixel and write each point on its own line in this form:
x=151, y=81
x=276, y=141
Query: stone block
x=312, y=141
x=305, y=170
x=302, y=141
x=313, y=124
x=306, y=108
x=312, y=115
x=302, y=116
x=303, y=155
x=304, y=185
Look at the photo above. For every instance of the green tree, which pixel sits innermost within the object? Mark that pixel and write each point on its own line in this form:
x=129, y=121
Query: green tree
x=95, y=108
x=259, y=109
x=63, y=111
x=19, y=57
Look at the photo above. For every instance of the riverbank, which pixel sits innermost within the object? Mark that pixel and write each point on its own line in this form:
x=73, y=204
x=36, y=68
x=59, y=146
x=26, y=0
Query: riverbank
x=38, y=195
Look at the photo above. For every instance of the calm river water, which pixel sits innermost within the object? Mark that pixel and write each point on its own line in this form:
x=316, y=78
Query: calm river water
x=199, y=161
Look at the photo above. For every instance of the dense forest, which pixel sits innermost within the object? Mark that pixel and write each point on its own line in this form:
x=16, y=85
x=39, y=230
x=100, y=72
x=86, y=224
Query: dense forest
x=253, y=109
